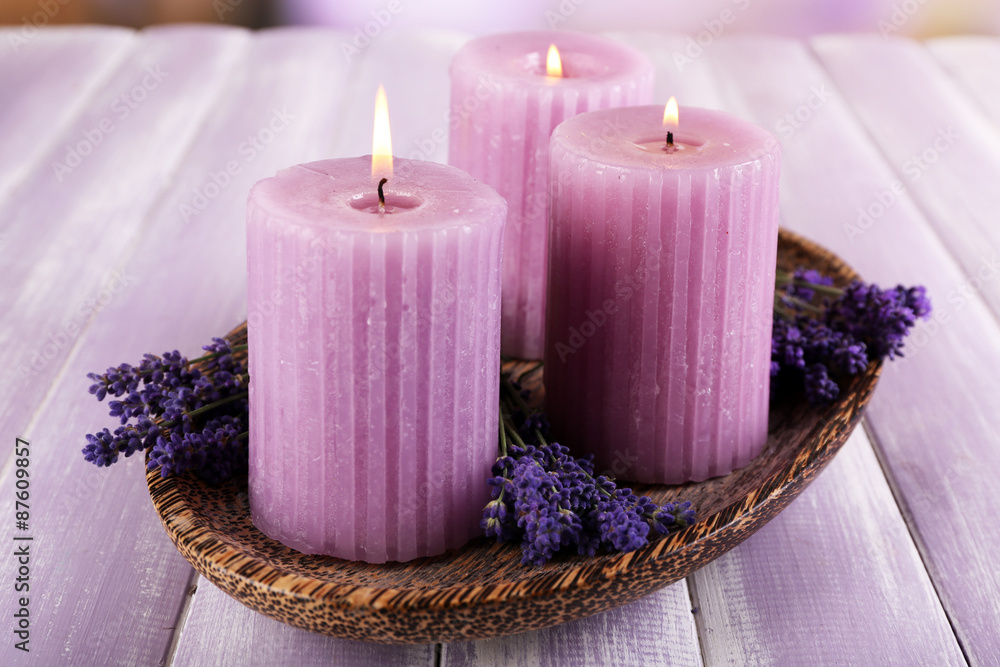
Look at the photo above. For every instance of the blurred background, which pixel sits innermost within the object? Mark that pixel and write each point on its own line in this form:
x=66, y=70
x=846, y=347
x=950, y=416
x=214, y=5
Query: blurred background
x=916, y=18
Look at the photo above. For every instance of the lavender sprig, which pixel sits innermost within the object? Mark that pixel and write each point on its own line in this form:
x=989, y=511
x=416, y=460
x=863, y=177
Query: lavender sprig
x=188, y=418
x=550, y=501
x=822, y=333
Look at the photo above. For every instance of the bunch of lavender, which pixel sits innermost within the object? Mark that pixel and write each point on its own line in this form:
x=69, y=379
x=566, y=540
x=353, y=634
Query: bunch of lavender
x=549, y=500
x=821, y=332
x=189, y=418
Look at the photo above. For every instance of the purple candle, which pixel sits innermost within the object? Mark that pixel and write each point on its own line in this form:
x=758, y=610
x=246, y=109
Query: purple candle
x=661, y=279
x=374, y=357
x=504, y=103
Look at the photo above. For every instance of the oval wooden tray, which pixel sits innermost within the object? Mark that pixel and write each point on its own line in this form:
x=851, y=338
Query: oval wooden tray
x=482, y=590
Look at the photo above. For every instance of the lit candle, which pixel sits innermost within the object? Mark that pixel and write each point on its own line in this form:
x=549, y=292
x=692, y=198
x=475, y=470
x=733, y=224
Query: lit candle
x=663, y=250
x=374, y=354
x=507, y=93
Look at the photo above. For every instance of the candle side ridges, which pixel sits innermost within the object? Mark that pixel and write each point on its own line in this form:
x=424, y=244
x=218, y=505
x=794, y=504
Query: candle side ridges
x=671, y=384
x=379, y=361
x=504, y=114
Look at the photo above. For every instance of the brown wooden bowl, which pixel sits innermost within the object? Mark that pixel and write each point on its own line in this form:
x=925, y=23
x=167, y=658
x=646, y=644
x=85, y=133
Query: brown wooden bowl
x=482, y=590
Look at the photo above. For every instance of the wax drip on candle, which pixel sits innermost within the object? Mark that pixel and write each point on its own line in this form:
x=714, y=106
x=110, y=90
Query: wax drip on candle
x=381, y=195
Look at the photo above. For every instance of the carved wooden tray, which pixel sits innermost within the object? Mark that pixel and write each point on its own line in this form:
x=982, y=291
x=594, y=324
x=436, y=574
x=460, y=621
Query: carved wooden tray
x=482, y=590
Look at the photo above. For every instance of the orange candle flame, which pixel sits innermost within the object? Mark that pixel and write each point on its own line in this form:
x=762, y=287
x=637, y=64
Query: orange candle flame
x=553, y=63
x=381, y=140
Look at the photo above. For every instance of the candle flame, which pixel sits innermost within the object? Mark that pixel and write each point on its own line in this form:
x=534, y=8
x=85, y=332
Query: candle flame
x=553, y=64
x=670, y=116
x=381, y=140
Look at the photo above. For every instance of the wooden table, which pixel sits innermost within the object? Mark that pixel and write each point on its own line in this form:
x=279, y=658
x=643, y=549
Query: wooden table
x=125, y=164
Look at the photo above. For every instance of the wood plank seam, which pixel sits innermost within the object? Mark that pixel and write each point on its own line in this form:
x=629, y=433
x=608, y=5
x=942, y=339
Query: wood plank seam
x=911, y=528
x=873, y=141
x=701, y=630
x=181, y=618
x=926, y=214
x=871, y=428
x=770, y=104
x=873, y=423
x=128, y=253
x=80, y=104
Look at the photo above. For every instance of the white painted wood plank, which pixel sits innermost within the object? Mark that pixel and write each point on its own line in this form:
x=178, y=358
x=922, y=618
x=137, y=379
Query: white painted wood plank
x=739, y=620
x=221, y=631
x=934, y=416
x=655, y=630
x=943, y=148
x=47, y=81
x=974, y=64
x=65, y=233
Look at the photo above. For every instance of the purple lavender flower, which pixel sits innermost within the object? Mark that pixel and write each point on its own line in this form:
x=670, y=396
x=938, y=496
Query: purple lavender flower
x=187, y=418
x=797, y=290
x=673, y=515
x=879, y=318
x=809, y=353
x=622, y=521
x=819, y=387
x=550, y=500
x=101, y=448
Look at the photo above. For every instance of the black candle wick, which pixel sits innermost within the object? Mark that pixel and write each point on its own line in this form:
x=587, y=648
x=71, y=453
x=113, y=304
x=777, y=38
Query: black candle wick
x=670, y=139
x=381, y=195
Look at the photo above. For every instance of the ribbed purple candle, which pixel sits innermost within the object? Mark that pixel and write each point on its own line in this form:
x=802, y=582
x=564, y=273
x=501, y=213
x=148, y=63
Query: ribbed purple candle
x=503, y=109
x=374, y=355
x=661, y=284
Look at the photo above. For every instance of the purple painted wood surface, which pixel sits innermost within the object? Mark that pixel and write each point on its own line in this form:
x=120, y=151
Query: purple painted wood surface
x=974, y=64
x=221, y=631
x=655, y=630
x=815, y=566
x=835, y=578
x=933, y=420
x=107, y=585
x=74, y=63
x=943, y=148
x=66, y=232
x=315, y=98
